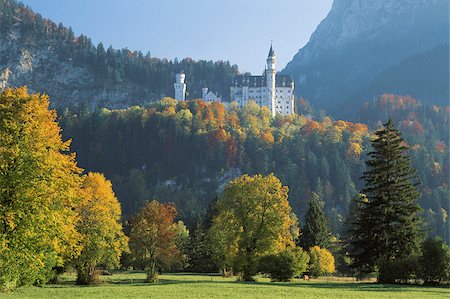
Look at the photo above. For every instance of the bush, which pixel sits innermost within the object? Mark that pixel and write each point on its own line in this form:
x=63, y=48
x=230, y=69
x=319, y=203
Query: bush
x=435, y=261
x=321, y=261
x=398, y=271
x=284, y=265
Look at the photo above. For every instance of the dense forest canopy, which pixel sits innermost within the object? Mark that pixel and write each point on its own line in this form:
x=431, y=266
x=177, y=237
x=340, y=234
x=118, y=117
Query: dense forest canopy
x=185, y=152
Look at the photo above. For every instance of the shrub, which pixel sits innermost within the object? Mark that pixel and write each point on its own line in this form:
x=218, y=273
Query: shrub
x=435, y=261
x=284, y=265
x=398, y=271
x=321, y=261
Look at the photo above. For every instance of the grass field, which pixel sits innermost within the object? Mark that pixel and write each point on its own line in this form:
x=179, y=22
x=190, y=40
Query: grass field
x=130, y=285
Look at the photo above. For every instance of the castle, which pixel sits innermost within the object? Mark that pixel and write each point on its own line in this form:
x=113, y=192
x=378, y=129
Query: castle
x=271, y=89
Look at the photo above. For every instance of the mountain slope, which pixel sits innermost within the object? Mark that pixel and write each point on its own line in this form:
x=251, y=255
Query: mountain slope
x=359, y=40
x=50, y=58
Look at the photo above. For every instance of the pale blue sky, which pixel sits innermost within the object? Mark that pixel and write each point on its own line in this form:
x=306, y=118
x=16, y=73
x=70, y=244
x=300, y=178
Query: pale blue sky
x=235, y=30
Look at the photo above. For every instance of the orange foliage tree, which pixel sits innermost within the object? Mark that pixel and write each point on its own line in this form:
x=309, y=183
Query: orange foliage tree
x=153, y=237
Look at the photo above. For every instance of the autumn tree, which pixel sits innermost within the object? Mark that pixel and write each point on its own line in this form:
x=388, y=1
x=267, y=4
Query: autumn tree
x=321, y=261
x=153, y=237
x=103, y=239
x=316, y=230
x=254, y=217
x=388, y=225
x=39, y=183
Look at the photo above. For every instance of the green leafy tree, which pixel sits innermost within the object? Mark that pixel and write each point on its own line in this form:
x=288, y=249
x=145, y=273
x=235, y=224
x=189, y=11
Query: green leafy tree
x=388, y=226
x=254, y=217
x=316, y=230
x=103, y=239
x=39, y=184
x=285, y=265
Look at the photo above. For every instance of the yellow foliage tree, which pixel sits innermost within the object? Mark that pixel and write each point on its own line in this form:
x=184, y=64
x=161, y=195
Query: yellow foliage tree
x=103, y=239
x=254, y=219
x=321, y=261
x=39, y=183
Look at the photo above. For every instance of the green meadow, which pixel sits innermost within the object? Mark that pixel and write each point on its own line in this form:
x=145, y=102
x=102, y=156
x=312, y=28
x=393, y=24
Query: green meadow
x=187, y=285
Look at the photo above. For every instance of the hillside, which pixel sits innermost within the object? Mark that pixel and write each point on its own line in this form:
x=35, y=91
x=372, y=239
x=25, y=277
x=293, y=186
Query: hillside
x=186, y=152
x=76, y=74
x=363, y=49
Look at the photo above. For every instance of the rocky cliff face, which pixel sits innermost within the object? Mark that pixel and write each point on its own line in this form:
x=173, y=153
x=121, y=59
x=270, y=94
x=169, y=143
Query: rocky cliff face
x=42, y=70
x=360, y=39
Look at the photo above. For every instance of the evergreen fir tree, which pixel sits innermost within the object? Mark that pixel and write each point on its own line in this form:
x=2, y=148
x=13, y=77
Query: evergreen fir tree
x=199, y=251
x=316, y=230
x=388, y=226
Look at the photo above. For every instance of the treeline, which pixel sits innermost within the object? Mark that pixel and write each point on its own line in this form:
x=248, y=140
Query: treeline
x=109, y=65
x=186, y=152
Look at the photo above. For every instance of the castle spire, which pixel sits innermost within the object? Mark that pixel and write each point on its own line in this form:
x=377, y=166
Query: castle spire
x=271, y=51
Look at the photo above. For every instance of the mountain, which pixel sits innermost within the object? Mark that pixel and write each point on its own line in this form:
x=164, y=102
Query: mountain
x=363, y=49
x=74, y=73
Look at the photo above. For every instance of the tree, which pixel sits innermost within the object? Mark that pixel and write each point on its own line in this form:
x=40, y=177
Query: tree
x=39, y=182
x=103, y=239
x=200, y=253
x=153, y=237
x=254, y=215
x=321, y=261
x=223, y=242
x=434, y=261
x=316, y=230
x=286, y=264
x=388, y=224
x=182, y=243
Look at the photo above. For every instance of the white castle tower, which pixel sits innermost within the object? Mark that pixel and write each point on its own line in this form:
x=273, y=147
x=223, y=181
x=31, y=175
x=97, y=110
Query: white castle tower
x=204, y=93
x=275, y=91
x=270, y=75
x=180, y=87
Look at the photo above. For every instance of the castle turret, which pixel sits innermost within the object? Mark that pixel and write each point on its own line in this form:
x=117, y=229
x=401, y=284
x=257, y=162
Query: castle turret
x=180, y=87
x=204, y=93
x=270, y=75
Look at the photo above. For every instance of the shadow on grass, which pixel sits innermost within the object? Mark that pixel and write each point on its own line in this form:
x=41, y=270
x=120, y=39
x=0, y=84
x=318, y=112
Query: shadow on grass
x=217, y=279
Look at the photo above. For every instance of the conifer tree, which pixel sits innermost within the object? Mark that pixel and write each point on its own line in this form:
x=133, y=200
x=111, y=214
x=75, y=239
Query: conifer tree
x=316, y=230
x=388, y=226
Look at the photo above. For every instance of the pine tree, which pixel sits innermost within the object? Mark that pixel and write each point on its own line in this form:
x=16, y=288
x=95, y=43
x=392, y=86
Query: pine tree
x=199, y=251
x=388, y=226
x=316, y=230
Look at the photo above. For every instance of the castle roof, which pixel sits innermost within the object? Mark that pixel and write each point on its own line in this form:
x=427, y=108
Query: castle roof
x=271, y=51
x=261, y=81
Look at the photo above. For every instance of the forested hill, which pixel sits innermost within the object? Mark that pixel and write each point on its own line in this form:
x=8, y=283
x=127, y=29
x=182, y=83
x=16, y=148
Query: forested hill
x=50, y=58
x=185, y=152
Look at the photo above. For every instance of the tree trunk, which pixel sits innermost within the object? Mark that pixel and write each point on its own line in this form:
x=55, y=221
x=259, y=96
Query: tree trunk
x=152, y=273
x=86, y=275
